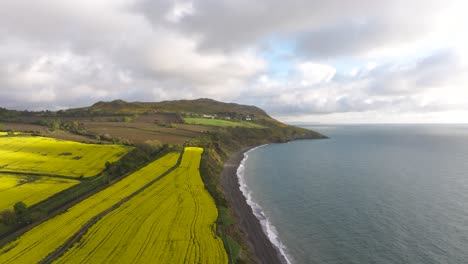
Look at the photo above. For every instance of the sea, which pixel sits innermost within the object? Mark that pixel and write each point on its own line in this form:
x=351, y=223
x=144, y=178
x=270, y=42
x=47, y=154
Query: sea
x=368, y=194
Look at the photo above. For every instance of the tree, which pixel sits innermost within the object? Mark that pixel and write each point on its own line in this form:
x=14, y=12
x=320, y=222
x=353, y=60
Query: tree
x=8, y=217
x=23, y=216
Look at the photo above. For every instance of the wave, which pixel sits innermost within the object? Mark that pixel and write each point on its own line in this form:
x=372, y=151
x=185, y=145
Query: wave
x=268, y=228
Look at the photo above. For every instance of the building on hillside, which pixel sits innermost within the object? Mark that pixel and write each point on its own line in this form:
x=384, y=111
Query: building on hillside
x=209, y=116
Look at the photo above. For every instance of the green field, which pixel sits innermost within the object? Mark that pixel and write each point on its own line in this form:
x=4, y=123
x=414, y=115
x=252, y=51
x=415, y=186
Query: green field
x=172, y=221
x=41, y=155
x=37, y=243
x=219, y=122
x=30, y=190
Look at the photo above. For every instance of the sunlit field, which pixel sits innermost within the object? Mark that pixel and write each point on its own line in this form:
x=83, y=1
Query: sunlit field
x=41, y=155
x=30, y=190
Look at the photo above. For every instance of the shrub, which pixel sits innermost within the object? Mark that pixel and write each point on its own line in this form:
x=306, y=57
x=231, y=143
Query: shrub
x=23, y=216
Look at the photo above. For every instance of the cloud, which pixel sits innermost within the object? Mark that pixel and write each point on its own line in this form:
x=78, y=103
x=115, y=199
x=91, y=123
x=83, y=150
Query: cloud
x=329, y=28
x=443, y=68
x=432, y=83
x=314, y=73
x=293, y=57
x=71, y=54
x=351, y=37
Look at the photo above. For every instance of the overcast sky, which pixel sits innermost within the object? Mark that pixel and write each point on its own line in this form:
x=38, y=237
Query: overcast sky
x=301, y=60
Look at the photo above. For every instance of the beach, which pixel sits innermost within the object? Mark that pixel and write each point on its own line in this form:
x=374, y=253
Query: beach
x=258, y=242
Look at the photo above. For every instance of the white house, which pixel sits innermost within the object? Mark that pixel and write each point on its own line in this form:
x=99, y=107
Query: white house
x=209, y=116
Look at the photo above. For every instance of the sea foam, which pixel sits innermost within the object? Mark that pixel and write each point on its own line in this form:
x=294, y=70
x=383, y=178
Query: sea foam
x=268, y=228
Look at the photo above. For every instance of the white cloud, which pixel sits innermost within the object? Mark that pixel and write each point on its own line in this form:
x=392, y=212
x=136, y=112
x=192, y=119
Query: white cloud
x=179, y=10
x=344, y=58
x=432, y=84
x=314, y=73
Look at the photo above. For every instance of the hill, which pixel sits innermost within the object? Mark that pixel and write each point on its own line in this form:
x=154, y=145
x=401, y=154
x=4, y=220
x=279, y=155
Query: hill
x=197, y=106
x=168, y=122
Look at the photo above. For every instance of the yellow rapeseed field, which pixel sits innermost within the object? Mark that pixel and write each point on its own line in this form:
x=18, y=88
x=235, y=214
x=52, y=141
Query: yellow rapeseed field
x=37, y=243
x=14, y=188
x=52, y=156
x=172, y=221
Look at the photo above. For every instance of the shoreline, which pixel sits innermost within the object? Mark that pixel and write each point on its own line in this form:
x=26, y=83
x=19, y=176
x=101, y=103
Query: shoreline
x=259, y=243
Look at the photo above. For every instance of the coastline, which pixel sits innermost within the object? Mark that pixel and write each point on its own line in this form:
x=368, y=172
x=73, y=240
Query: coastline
x=259, y=243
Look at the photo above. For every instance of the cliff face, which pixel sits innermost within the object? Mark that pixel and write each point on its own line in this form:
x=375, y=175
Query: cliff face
x=235, y=222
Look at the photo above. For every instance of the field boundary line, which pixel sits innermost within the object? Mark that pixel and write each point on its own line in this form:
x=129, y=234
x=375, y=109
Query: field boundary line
x=82, y=231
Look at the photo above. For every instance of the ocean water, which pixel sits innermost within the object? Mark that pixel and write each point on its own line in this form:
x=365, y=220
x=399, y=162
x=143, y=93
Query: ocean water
x=369, y=194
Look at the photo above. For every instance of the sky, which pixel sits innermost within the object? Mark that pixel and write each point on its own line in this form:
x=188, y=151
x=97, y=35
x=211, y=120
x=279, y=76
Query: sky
x=335, y=61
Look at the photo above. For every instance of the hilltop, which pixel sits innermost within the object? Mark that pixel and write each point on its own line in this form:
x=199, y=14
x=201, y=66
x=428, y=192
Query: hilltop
x=121, y=107
x=200, y=106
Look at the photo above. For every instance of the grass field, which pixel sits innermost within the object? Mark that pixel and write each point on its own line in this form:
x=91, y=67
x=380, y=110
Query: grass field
x=219, y=122
x=48, y=156
x=30, y=190
x=37, y=243
x=172, y=221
